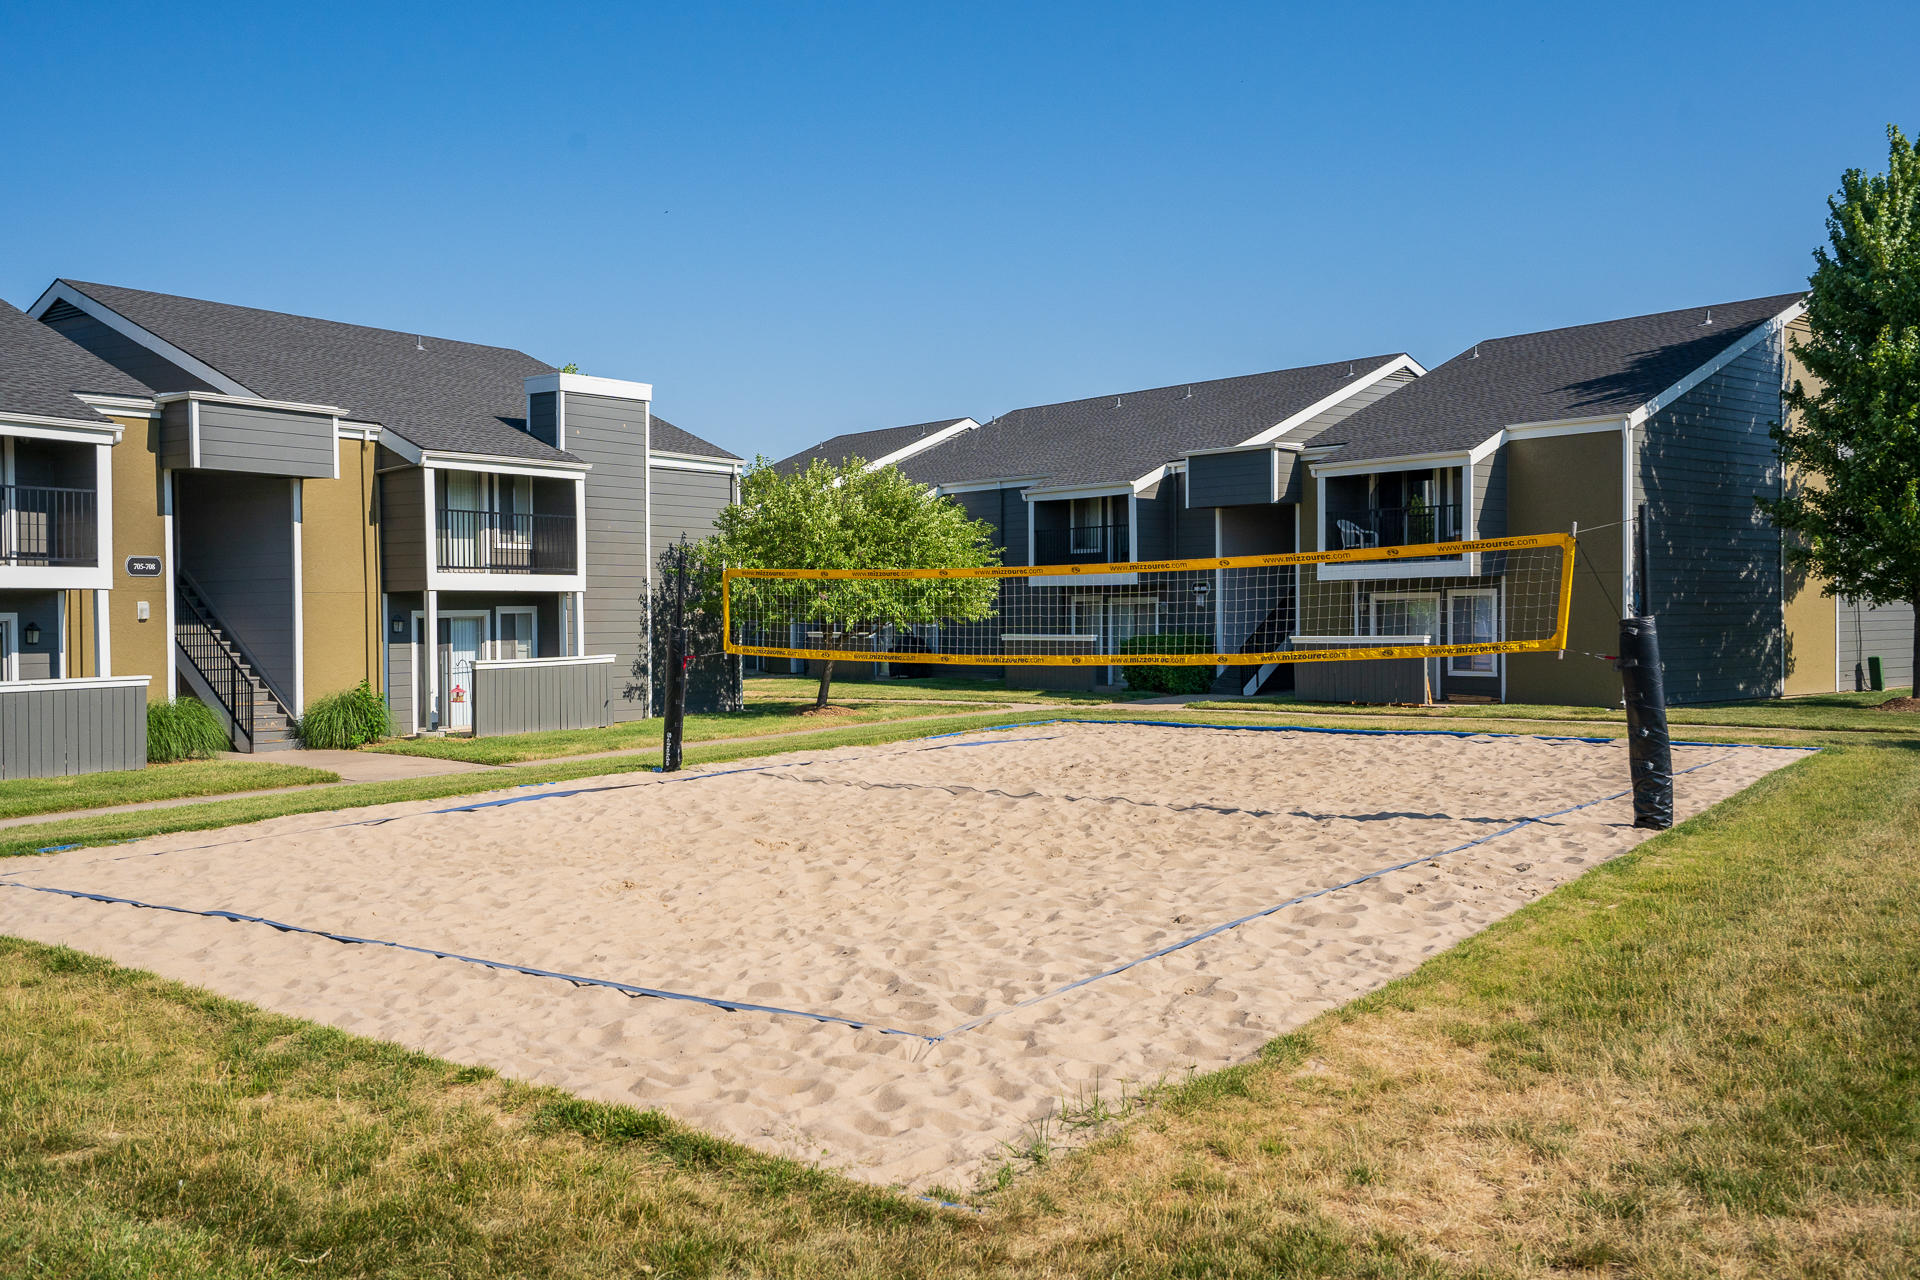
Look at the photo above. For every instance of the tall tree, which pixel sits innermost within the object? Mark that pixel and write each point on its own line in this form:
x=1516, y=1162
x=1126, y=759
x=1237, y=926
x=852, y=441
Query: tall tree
x=1851, y=441
x=849, y=517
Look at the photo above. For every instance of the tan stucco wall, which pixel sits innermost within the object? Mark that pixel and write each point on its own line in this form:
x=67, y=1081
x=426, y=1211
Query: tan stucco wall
x=138, y=648
x=1550, y=484
x=340, y=576
x=1810, y=617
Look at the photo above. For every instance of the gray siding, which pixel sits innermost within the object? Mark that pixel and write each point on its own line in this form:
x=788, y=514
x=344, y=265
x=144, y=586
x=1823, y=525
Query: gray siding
x=537, y=699
x=1238, y=479
x=1348, y=407
x=236, y=541
x=1866, y=631
x=612, y=435
x=1713, y=571
x=542, y=416
x=174, y=449
x=403, y=530
x=53, y=732
x=268, y=442
x=1168, y=528
x=1006, y=511
x=685, y=503
x=120, y=351
x=401, y=678
x=1490, y=495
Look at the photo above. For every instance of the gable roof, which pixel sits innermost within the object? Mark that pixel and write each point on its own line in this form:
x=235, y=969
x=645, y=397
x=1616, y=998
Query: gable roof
x=1118, y=438
x=668, y=438
x=866, y=445
x=1587, y=371
x=459, y=397
x=40, y=372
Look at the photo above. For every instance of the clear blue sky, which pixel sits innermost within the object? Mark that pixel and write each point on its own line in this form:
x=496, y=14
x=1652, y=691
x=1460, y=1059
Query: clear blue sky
x=797, y=220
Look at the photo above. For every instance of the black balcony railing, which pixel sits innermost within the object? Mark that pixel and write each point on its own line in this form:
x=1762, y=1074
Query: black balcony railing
x=1393, y=526
x=1088, y=544
x=505, y=542
x=42, y=526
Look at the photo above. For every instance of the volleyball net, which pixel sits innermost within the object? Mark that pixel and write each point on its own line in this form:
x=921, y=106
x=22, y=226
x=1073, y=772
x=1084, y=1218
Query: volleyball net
x=1471, y=600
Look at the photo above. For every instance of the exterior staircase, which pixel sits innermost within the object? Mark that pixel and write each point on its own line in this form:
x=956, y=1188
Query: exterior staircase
x=225, y=678
x=1269, y=637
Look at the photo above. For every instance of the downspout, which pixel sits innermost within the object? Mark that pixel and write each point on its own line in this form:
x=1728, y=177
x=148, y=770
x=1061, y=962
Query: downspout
x=1626, y=517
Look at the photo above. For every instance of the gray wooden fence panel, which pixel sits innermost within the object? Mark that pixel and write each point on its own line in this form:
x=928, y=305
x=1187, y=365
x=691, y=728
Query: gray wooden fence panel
x=53, y=730
x=540, y=697
x=1366, y=680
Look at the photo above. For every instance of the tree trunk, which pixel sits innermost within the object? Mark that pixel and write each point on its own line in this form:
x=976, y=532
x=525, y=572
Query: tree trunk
x=826, y=685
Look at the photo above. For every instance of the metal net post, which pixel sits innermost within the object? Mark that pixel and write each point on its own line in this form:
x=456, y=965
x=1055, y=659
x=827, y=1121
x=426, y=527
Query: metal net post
x=1649, y=750
x=677, y=657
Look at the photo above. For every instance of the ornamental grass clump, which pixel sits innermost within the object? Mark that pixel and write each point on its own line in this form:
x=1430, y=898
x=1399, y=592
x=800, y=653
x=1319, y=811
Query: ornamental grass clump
x=183, y=729
x=342, y=721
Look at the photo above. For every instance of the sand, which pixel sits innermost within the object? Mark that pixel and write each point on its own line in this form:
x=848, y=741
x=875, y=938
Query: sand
x=918, y=887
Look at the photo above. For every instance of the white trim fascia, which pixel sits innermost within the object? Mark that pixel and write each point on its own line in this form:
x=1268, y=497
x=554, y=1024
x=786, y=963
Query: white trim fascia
x=102, y=634
x=1568, y=427
x=508, y=583
x=588, y=385
x=1133, y=527
x=923, y=444
x=684, y=462
x=495, y=465
x=10, y=655
x=1375, y=570
x=1290, y=446
x=1313, y=453
x=1485, y=448
x=60, y=291
x=1408, y=462
x=1320, y=406
x=405, y=448
x=41, y=577
x=346, y=430
x=251, y=402
x=580, y=531
x=75, y=682
x=976, y=486
x=121, y=406
x=1760, y=334
x=1104, y=489
x=32, y=426
x=559, y=418
x=585, y=660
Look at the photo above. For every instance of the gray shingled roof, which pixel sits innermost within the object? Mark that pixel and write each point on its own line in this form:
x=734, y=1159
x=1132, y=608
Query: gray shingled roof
x=459, y=397
x=1588, y=371
x=866, y=445
x=40, y=371
x=1116, y=439
x=668, y=438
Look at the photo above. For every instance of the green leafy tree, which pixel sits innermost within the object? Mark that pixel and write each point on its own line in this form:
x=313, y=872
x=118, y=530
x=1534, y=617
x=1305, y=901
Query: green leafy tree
x=848, y=517
x=1851, y=442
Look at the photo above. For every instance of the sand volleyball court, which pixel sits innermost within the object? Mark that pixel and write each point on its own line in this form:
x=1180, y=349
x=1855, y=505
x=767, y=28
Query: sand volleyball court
x=945, y=940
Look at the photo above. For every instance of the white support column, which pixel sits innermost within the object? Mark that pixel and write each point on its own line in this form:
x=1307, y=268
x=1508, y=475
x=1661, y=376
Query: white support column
x=430, y=655
x=102, y=636
x=60, y=636
x=1626, y=518
x=579, y=622
x=168, y=550
x=299, y=609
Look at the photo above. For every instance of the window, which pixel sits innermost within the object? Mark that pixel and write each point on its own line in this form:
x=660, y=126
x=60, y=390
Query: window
x=1473, y=618
x=1088, y=518
x=516, y=633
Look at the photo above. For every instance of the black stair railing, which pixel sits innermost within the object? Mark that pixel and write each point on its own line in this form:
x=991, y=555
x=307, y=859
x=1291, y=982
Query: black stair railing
x=196, y=633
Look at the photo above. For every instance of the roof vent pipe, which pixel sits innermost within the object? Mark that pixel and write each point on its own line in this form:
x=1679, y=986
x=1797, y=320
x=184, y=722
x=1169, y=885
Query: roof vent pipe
x=1708, y=320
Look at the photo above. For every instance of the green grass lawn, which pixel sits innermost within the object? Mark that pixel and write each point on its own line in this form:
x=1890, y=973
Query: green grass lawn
x=1696, y=1060
x=759, y=718
x=23, y=796
x=929, y=689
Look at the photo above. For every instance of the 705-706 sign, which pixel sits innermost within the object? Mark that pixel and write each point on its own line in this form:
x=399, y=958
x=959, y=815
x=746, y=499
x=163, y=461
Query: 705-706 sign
x=143, y=566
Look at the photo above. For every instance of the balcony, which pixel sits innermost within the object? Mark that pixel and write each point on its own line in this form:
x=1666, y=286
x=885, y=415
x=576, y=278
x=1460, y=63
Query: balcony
x=48, y=527
x=504, y=542
x=1087, y=544
x=1393, y=526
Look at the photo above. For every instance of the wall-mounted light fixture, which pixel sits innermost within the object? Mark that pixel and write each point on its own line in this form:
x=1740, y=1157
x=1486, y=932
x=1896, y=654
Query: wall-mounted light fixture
x=31, y=633
x=1200, y=595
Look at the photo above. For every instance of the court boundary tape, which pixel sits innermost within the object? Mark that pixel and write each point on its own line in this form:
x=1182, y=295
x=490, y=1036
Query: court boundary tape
x=634, y=990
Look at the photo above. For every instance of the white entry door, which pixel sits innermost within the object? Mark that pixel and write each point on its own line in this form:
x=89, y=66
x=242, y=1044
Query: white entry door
x=1411, y=613
x=462, y=646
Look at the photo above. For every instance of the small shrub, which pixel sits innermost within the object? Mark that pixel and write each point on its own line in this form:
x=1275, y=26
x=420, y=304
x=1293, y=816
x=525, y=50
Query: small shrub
x=1157, y=678
x=341, y=721
x=184, y=729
